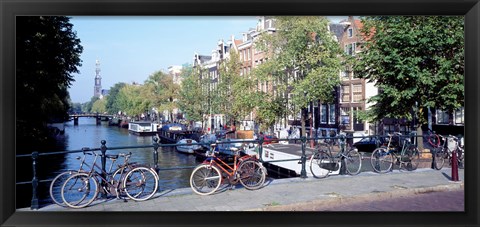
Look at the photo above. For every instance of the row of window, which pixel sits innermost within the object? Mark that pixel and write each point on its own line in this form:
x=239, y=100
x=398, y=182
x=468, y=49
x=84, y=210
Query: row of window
x=443, y=117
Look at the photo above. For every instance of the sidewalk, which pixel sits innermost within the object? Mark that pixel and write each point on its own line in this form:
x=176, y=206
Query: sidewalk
x=285, y=194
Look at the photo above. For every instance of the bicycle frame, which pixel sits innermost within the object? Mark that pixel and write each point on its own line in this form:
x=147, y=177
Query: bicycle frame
x=223, y=166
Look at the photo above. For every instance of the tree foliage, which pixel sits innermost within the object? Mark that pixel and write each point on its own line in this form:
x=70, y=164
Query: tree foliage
x=304, y=61
x=47, y=53
x=162, y=92
x=192, y=96
x=112, y=106
x=413, y=60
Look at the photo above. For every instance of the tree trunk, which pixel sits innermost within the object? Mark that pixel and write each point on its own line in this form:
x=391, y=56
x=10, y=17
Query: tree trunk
x=302, y=121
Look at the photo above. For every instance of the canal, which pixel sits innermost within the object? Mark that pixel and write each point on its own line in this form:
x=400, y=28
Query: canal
x=88, y=134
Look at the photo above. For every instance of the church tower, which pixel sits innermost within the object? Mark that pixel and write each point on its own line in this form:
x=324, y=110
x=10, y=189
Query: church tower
x=97, y=89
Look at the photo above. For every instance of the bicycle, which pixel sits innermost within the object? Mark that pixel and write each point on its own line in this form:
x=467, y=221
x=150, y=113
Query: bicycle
x=382, y=158
x=59, y=180
x=207, y=177
x=323, y=162
x=445, y=149
x=137, y=182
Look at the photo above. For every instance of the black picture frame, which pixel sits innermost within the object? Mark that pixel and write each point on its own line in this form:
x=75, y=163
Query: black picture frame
x=10, y=9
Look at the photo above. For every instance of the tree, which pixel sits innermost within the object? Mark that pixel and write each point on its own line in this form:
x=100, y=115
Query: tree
x=192, y=96
x=99, y=106
x=133, y=100
x=163, y=92
x=47, y=53
x=112, y=106
x=414, y=61
x=304, y=59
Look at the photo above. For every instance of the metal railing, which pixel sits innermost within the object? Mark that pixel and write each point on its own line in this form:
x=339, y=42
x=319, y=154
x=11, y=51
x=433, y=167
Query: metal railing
x=103, y=149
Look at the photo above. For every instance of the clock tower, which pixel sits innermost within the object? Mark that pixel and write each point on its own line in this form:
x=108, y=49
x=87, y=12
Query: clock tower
x=97, y=89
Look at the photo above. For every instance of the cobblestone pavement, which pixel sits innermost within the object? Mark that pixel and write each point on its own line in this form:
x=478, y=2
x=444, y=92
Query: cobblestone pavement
x=449, y=201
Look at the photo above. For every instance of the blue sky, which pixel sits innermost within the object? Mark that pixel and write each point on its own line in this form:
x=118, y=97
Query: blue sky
x=131, y=48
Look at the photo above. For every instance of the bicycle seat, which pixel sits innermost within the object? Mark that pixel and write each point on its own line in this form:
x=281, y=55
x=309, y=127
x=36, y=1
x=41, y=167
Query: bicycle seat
x=112, y=157
x=213, y=144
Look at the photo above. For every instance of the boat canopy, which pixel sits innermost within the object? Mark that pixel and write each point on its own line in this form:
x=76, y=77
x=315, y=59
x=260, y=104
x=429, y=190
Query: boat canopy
x=174, y=127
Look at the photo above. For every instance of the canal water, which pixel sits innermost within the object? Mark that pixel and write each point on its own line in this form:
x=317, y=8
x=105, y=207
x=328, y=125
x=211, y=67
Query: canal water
x=88, y=134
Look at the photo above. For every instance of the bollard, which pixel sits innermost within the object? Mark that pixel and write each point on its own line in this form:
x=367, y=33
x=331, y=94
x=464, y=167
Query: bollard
x=155, y=153
x=34, y=204
x=454, y=166
x=303, y=173
x=103, y=148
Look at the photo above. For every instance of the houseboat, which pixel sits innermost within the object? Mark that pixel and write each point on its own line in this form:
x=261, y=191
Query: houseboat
x=143, y=128
x=172, y=133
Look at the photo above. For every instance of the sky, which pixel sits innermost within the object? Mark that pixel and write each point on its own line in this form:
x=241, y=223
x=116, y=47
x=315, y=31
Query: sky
x=131, y=48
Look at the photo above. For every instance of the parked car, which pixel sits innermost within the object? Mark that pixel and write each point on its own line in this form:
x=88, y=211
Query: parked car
x=368, y=144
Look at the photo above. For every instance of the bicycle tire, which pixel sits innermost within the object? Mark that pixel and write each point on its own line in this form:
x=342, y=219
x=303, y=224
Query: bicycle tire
x=381, y=160
x=78, y=187
x=353, y=162
x=251, y=174
x=439, y=156
x=140, y=183
x=317, y=164
x=412, y=155
x=205, y=179
x=56, y=186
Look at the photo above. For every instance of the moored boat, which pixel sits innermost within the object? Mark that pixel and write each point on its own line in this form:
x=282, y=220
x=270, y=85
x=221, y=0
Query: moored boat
x=143, y=128
x=188, y=146
x=172, y=133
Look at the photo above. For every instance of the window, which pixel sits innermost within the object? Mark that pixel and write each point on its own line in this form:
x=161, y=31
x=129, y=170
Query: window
x=459, y=114
x=356, y=110
x=323, y=116
x=357, y=93
x=345, y=115
x=345, y=93
x=350, y=32
x=331, y=119
x=350, y=49
x=442, y=117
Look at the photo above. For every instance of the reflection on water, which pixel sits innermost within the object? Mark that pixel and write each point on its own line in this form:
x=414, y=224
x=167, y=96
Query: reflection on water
x=88, y=134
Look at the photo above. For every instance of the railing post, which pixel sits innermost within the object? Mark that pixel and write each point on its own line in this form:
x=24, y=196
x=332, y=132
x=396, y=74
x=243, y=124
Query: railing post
x=103, y=148
x=34, y=203
x=155, y=153
x=303, y=173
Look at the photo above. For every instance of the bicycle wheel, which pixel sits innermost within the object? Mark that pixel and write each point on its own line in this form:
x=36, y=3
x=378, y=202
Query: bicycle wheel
x=439, y=156
x=252, y=174
x=412, y=157
x=79, y=190
x=353, y=162
x=205, y=179
x=141, y=183
x=56, y=186
x=320, y=164
x=381, y=160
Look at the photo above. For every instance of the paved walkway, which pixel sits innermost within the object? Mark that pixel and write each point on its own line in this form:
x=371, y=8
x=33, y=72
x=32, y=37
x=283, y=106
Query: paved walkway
x=285, y=194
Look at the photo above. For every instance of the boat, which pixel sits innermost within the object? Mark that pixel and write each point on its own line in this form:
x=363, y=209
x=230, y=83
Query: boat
x=173, y=132
x=189, y=146
x=143, y=128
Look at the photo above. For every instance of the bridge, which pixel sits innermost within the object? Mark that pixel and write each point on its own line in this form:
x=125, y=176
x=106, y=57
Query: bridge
x=98, y=117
